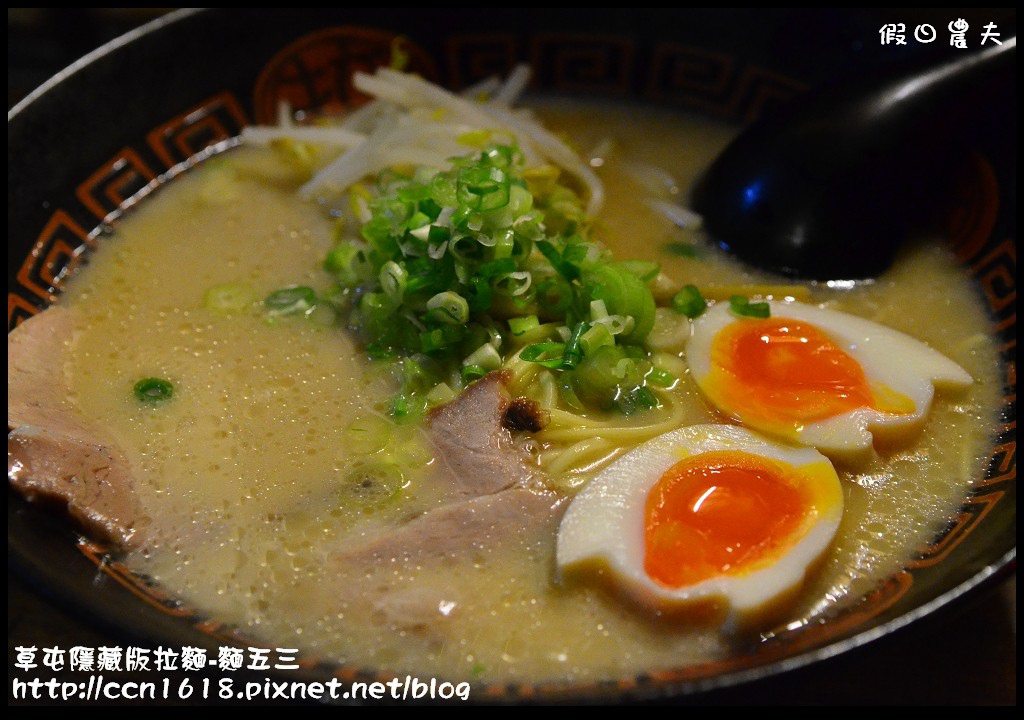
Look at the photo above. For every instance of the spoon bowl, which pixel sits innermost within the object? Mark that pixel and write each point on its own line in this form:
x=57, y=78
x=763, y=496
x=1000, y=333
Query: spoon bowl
x=832, y=186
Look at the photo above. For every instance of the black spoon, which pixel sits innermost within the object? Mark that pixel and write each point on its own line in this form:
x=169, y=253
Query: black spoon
x=832, y=186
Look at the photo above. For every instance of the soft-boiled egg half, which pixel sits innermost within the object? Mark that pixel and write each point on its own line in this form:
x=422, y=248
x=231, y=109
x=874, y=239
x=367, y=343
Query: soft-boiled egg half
x=817, y=376
x=713, y=522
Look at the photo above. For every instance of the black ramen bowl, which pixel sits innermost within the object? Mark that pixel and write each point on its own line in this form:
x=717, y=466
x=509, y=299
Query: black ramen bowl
x=122, y=120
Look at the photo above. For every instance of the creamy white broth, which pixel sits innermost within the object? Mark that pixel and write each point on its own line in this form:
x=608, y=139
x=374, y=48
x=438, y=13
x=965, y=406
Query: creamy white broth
x=239, y=474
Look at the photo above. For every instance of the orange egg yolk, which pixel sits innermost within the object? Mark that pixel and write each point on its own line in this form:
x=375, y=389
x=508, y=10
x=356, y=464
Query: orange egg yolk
x=788, y=372
x=721, y=513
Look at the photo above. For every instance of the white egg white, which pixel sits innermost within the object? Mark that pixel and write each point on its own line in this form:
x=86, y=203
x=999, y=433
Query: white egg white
x=602, y=532
x=889, y=358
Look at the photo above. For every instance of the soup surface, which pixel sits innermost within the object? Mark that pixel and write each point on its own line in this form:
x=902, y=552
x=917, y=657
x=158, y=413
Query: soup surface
x=246, y=477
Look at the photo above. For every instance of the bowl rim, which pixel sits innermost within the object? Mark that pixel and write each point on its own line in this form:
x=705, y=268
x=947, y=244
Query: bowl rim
x=22, y=560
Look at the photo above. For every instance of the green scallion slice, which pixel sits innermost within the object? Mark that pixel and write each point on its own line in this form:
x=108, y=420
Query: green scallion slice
x=661, y=378
x=293, y=300
x=742, y=306
x=548, y=354
x=152, y=390
x=448, y=307
x=470, y=373
x=228, y=298
x=573, y=353
x=689, y=302
x=520, y=325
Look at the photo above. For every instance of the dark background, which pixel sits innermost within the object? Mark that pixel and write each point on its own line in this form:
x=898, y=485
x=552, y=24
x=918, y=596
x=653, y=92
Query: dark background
x=961, y=656
x=43, y=41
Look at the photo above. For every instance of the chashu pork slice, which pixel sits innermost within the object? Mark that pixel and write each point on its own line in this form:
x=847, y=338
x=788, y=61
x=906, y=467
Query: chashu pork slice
x=472, y=438
x=54, y=454
x=500, y=504
x=413, y=588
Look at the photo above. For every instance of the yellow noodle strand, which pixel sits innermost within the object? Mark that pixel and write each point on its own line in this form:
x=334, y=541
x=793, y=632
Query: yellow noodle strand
x=577, y=446
x=566, y=427
x=582, y=455
x=522, y=372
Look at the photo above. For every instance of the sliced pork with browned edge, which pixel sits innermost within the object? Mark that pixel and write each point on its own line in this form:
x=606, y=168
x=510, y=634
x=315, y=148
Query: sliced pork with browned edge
x=55, y=455
x=471, y=437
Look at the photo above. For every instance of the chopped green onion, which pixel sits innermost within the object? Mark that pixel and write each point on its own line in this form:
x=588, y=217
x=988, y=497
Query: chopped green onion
x=454, y=269
x=513, y=284
x=564, y=268
x=661, y=378
x=440, y=393
x=520, y=203
x=377, y=351
x=485, y=356
x=368, y=435
x=542, y=332
x=448, y=307
x=495, y=335
x=504, y=243
x=393, y=280
x=438, y=235
x=580, y=253
x=290, y=300
x=597, y=336
x=429, y=275
x=689, y=302
x=623, y=294
x=441, y=338
x=399, y=53
x=428, y=207
x=640, y=398
x=469, y=373
x=466, y=249
x=480, y=296
x=548, y=354
x=520, y=325
x=348, y=263
x=742, y=306
x=408, y=407
x=617, y=324
x=417, y=221
x=153, y=390
x=602, y=376
x=483, y=188
x=572, y=354
x=337, y=297
x=554, y=296
x=497, y=268
x=229, y=298
x=375, y=309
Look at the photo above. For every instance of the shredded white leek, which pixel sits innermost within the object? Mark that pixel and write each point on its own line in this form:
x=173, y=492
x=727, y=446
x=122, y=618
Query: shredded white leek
x=411, y=121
